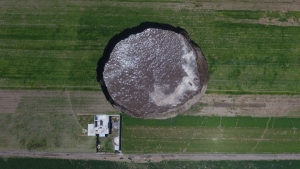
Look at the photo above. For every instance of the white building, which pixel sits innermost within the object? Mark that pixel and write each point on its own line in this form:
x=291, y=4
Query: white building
x=101, y=126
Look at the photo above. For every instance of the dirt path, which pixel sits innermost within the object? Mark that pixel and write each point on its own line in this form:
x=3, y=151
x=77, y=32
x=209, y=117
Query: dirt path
x=262, y=136
x=63, y=102
x=249, y=105
x=243, y=5
x=147, y=157
x=263, y=5
x=94, y=102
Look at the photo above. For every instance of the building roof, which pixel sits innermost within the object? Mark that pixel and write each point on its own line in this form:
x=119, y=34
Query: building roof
x=91, y=131
x=101, y=126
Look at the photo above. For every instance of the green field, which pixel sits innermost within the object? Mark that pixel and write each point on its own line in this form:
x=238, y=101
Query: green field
x=29, y=163
x=56, y=45
x=47, y=132
x=56, y=132
x=49, y=120
x=190, y=134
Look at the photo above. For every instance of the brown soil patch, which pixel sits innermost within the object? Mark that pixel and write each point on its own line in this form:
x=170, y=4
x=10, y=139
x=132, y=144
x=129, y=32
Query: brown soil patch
x=249, y=105
x=63, y=102
x=266, y=21
x=263, y=5
x=94, y=102
x=275, y=21
x=90, y=103
x=9, y=101
x=240, y=105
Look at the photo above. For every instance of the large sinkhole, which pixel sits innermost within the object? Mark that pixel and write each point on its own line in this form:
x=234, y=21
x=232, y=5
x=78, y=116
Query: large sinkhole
x=152, y=70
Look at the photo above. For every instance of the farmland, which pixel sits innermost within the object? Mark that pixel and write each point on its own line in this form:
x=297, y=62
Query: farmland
x=48, y=120
x=56, y=45
x=54, y=121
x=184, y=134
x=51, y=49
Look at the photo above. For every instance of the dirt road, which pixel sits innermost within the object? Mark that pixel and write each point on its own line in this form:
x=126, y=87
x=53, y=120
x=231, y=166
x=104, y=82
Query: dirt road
x=147, y=157
x=56, y=101
x=249, y=105
x=94, y=102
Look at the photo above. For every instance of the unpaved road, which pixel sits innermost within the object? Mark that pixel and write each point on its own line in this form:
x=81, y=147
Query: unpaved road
x=147, y=157
x=94, y=102
x=56, y=101
x=250, y=105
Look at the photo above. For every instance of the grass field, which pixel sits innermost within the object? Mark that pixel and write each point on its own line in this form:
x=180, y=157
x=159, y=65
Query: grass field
x=56, y=45
x=49, y=120
x=188, y=134
x=53, y=121
x=47, y=132
x=28, y=163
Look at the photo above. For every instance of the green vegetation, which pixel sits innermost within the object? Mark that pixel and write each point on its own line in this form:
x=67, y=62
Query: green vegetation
x=43, y=131
x=46, y=121
x=84, y=120
x=240, y=14
x=189, y=134
x=28, y=163
x=56, y=45
x=108, y=145
x=49, y=120
x=36, y=144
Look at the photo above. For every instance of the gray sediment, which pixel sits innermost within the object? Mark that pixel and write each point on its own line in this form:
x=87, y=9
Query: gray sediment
x=154, y=72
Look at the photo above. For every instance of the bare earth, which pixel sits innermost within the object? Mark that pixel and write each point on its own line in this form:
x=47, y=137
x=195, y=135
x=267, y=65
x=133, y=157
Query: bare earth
x=142, y=158
x=250, y=105
x=94, y=102
x=262, y=5
x=66, y=102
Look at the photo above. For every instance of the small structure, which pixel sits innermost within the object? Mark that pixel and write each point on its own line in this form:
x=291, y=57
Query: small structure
x=117, y=143
x=103, y=126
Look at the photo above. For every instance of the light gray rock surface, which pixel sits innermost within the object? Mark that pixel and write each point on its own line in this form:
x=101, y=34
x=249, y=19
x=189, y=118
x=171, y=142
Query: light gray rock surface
x=154, y=71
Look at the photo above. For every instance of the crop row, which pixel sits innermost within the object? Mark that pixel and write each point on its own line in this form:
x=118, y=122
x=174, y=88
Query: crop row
x=43, y=50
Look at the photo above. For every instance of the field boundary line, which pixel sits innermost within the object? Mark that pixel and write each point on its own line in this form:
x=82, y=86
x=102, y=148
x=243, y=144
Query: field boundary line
x=262, y=136
x=71, y=107
x=273, y=123
x=243, y=92
x=236, y=123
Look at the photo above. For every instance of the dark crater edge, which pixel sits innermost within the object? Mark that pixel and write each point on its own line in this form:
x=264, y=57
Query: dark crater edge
x=201, y=65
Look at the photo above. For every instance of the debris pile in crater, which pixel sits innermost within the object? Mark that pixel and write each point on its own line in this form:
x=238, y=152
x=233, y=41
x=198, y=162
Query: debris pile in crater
x=155, y=71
